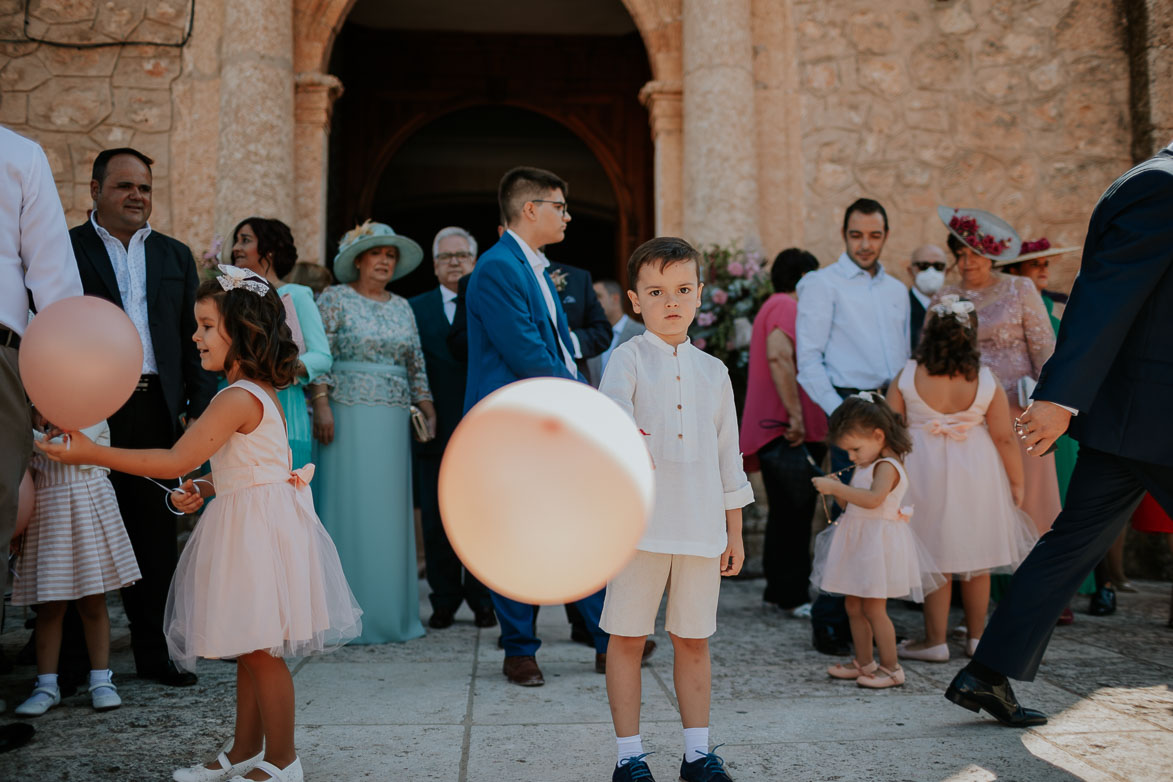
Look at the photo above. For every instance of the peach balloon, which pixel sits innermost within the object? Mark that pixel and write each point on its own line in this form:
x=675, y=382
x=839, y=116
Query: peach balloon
x=545, y=490
x=26, y=500
x=80, y=360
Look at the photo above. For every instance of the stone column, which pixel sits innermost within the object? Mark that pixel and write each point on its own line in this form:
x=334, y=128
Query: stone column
x=313, y=105
x=720, y=180
x=255, y=170
x=663, y=100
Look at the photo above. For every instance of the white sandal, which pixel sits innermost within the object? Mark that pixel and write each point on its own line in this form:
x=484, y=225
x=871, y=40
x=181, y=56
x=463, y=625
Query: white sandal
x=226, y=771
x=291, y=773
x=105, y=701
x=930, y=654
x=35, y=708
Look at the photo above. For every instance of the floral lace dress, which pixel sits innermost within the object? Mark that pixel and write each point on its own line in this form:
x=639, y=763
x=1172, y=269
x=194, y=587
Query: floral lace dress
x=1016, y=338
x=364, y=477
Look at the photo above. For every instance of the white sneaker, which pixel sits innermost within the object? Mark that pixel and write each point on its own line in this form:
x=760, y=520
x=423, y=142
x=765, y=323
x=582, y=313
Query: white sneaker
x=226, y=771
x=42, y=699
x=802, y=612
x=104, y=695
x=930, y=654
x=291, y=773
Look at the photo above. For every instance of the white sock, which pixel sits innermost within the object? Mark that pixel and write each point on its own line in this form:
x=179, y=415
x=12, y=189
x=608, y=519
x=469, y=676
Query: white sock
x=696, y=743
x=47, y=680
x=104, y=676
x=629, y=746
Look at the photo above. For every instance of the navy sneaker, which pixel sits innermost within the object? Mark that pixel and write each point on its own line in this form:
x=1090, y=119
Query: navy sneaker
x=709, y=767
x=633, y=769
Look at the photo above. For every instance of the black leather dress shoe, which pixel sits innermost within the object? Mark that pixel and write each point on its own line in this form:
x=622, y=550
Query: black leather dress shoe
x=828, y=641
x=484, y=618
x=441, y=619
x=1103, y=602
x=998, y=700
x=171, y=676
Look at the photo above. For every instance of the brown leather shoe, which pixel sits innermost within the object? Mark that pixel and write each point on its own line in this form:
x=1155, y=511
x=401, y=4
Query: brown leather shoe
x=601, y=659
x=523, y=670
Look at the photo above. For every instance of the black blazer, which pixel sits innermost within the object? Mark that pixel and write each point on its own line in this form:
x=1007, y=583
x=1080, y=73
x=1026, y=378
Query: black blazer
x=584, y=313
x=916, y=319
x=1113, y=360
x=171, y=287
x=458, y=331
x=446, y=373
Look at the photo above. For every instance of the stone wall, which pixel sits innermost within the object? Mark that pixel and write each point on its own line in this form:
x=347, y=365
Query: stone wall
x=1015, y=106
x=76, y=102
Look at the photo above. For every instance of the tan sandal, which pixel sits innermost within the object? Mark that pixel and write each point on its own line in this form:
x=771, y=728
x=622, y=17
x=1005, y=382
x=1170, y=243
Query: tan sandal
x=882, y=678
x=851, y=669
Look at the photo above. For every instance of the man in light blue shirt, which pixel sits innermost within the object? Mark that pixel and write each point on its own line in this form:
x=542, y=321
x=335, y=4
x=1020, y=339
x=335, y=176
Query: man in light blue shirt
x=852, y=335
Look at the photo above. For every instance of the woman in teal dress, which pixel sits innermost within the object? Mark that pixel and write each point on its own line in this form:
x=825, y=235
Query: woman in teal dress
x=364, y=470
x=266, y=247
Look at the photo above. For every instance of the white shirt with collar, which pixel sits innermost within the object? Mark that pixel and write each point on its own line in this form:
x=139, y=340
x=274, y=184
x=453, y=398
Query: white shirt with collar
x=130, y=269
x=537, y=264
x=682, y=401
x=448, y=298
x=852, y=330
x=922, y=298
x=35, y=251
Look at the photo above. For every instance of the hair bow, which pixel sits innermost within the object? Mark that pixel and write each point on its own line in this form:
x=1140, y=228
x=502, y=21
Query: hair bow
x=867, y=396
x=233, y=277
x=956, y=306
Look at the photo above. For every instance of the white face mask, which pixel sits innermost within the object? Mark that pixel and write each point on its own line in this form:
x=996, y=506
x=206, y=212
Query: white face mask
x=929, y=281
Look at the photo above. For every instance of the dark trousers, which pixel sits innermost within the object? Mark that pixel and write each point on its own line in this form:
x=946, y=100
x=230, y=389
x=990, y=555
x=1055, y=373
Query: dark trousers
x=450, y=582
x=1104, y=491
x=786, y=560
x=828, y=611
x=518, y=634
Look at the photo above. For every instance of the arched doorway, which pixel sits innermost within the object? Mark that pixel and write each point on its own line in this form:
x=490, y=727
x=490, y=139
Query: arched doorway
x=443, y=97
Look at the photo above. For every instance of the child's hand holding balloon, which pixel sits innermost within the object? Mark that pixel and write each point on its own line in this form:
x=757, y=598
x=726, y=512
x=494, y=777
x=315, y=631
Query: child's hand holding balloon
x=187, y=498
x=75, y=448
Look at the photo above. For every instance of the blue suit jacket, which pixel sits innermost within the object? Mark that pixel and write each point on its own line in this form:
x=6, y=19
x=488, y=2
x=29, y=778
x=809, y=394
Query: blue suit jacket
x=510, y=336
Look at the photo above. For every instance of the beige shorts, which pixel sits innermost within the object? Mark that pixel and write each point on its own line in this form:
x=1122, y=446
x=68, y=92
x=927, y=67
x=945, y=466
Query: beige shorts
x=633, y=596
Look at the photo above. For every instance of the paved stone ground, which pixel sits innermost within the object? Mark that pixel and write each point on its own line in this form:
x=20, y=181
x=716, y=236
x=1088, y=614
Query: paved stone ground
x=439, y=709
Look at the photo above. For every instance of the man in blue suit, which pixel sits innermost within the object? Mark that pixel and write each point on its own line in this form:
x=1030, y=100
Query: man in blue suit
x=1108, y=385
x=517, y=329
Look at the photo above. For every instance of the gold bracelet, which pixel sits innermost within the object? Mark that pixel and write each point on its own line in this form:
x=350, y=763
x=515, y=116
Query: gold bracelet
x=319, y=395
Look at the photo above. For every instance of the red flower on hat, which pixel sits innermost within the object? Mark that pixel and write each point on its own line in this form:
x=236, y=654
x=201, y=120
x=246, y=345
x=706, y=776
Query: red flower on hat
x=1036, y=246
x=967, y=229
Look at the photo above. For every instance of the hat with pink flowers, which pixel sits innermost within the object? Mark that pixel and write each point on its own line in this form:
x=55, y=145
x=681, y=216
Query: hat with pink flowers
x=988, y=235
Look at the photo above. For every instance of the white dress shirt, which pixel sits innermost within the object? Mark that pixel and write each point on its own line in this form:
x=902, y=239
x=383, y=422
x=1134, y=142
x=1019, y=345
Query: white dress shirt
x=682, y=401
x=35, y=252
x=130, y=269
x=449, y=299
x=852, y=330
x=538, y=264
x=616, y=334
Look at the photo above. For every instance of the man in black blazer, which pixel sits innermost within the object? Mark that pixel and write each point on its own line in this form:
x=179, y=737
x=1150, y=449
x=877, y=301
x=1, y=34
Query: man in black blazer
x=589, y=328
x=1108, y=384
x=454, y=252
x=153, y=278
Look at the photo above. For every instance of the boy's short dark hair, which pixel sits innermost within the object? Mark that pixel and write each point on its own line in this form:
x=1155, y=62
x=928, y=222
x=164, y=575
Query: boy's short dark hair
x=664, y=250
x=865, y=206
x=523, y=184
x=102, y=161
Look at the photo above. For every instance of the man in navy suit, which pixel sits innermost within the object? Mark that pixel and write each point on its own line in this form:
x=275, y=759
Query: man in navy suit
x=454, y=251
x=517, y=329
x=1108, y=384
x=590, y=331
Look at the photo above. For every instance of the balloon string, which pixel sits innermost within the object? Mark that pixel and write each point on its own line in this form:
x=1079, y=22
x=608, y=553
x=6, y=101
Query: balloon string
x=167, y=497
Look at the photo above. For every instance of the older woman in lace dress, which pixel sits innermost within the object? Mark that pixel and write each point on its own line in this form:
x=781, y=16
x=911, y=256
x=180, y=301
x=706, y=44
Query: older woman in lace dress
x=1014, y=330
x=364, y=480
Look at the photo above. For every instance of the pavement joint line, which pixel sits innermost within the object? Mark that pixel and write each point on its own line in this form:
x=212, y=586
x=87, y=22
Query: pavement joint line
x=664, y=687
x=466, y=741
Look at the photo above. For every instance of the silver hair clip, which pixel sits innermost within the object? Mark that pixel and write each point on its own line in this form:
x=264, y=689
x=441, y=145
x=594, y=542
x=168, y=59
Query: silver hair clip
x=956, y=306
x=867, y=396
x=233, y=277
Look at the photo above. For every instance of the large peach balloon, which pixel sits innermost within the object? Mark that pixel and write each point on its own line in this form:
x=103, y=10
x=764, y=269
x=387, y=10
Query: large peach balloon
x=545, y=489
x=26, y=499
x=80, y=360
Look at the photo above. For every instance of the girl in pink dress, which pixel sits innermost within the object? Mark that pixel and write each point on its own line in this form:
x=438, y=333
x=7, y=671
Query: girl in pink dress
x=871, y=553
x=966, y=469
x=259, y=579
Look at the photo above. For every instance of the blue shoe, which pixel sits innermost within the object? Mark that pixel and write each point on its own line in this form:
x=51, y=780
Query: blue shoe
x=633, y=769
x=709, y=767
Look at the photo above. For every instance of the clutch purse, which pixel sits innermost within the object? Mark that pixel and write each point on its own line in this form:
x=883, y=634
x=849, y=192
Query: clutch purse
x=419, y=425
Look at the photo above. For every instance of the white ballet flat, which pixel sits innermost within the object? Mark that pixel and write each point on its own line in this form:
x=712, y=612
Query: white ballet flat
x=291, y=773
x=226, y=771
x=930, y=654
x=35, y=708
x=105, y=701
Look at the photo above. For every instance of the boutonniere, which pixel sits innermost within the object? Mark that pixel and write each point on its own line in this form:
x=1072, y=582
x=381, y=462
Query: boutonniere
x=559, y=277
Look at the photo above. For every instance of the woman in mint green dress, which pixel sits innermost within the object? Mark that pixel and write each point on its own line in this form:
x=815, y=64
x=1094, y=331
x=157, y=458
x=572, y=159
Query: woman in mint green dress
x=364, y=492
x=266, y=247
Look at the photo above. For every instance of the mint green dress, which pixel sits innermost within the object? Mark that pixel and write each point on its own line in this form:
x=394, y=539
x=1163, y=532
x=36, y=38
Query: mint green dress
x=364, y=476
x=316, y=360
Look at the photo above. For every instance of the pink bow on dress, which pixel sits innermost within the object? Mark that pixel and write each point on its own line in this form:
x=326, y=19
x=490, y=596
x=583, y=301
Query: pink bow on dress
x=302, y=476
x=957, y=430
x=905, y=513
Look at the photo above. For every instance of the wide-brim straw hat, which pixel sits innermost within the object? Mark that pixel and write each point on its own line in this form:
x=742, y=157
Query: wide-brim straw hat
x=1047, y=253
x=363, y=237
x=988, y=235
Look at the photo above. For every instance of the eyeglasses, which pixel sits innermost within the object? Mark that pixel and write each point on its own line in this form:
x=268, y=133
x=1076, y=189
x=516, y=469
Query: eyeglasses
x=920, y=266
x=458, y=257
x=559, y=205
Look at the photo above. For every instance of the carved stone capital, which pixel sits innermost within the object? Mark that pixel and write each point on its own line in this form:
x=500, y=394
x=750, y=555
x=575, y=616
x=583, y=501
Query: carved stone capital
x=314, y=96
x=664, y=101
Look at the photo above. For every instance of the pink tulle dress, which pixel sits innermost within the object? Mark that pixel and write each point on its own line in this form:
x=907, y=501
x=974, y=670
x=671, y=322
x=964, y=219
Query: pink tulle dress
x=873, y=552
x=965, y=513
x=259, y=572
